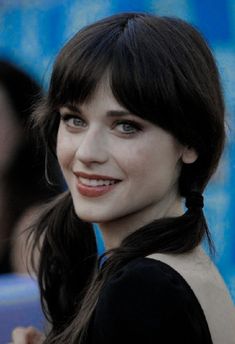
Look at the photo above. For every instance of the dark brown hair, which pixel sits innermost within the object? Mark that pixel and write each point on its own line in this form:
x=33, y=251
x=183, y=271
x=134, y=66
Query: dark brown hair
x=162, y=70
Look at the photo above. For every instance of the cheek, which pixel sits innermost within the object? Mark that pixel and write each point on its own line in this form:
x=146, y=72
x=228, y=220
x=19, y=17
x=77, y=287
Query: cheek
x=134, y=161
x=153, y=162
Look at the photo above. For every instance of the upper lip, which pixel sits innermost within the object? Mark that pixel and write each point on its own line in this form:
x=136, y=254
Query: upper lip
x=94, y=176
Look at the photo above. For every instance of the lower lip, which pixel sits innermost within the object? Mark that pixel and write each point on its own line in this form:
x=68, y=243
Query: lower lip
x=94, y=191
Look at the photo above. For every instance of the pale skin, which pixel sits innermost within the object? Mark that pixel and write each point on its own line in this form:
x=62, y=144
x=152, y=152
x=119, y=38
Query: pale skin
x=102, y=137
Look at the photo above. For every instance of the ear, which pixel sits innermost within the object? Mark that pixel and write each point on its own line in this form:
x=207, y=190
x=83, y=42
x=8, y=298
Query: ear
x=189, y=155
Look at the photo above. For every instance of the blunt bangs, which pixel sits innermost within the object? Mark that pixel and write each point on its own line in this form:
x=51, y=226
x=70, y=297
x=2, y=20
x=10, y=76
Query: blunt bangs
x=144, y=64
x=77, y=72
x=84, y=60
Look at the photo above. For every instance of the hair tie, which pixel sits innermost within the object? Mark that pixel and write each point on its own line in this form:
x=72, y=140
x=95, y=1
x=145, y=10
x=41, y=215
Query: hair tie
x=194, y=200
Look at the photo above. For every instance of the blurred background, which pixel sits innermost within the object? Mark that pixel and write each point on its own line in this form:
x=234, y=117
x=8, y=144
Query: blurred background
x=32, y=32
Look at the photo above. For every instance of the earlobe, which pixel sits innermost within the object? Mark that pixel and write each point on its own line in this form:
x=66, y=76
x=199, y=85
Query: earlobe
x=189, y=155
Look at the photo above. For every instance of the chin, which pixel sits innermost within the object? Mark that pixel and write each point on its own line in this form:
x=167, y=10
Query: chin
x=88, y=217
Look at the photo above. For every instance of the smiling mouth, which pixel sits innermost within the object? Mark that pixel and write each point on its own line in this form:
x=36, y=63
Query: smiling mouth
x=97, y=182
x=95, y=187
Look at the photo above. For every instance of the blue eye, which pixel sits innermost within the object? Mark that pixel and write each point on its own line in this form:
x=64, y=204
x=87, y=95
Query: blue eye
x=128, y=127
x=73, y=121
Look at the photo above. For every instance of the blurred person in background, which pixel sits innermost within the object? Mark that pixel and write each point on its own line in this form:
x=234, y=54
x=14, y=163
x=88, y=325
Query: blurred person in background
x=23, y=186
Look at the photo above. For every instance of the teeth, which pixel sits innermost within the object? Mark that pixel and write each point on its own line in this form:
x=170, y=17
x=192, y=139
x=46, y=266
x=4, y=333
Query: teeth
x=96, y=182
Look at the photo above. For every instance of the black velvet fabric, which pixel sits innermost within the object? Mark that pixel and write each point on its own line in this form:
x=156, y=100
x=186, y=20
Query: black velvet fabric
x=148, y=302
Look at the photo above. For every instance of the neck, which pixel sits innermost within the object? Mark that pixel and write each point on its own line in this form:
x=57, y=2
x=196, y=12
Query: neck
x=115, y=231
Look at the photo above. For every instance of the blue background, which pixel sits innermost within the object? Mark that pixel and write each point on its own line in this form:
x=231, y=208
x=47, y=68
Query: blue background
x=32, y=32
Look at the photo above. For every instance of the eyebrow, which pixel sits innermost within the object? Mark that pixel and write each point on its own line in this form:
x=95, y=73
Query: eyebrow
x=114, y=113
x=110, y=113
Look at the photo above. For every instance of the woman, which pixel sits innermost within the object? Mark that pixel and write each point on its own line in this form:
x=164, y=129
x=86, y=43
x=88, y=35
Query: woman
x=22, y=165
x=135, y=115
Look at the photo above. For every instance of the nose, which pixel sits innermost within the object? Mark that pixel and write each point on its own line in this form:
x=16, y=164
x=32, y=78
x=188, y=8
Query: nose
x=92, y=147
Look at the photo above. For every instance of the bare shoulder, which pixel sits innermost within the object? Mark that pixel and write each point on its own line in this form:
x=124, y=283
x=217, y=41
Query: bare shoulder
x=208, y=285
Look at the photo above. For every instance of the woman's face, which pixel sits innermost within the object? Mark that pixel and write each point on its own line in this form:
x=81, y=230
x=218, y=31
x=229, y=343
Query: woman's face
x=115, y=163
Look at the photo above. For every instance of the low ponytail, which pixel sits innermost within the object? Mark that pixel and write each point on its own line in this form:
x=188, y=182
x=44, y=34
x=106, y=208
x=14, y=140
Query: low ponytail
x=195, y=203
x=68, y=254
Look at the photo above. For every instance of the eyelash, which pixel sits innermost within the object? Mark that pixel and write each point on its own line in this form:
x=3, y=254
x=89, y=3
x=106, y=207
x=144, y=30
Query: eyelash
x=67, y=117
x=132, y=124
x=136, y=127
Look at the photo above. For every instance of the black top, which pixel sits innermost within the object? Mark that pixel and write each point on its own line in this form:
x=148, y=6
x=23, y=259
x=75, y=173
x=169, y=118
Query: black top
x=148, y=302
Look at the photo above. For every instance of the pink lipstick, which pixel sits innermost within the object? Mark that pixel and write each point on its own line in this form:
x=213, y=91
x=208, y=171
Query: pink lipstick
x=94, y=185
